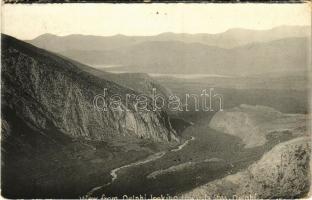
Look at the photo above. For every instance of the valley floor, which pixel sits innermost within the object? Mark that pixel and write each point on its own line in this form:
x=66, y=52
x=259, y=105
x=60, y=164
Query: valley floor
x=211, y=155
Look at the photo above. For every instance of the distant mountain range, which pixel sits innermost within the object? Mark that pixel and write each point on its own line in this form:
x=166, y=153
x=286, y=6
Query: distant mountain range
x=234, y=52
x=232, y=38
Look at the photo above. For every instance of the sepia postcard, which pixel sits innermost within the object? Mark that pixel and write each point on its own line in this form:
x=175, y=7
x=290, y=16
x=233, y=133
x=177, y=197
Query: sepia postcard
x=155, y=100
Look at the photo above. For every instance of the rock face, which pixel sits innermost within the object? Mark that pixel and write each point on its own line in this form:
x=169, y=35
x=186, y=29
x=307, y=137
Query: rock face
x=50, y=92
x=283, y=172
x=254, y=123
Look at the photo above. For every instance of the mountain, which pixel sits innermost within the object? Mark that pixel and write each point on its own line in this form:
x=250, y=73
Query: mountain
x=231, y=38
x=234, y=52
x=236, y=37
x=54, y=143
x=44, y=88
x=172, y=57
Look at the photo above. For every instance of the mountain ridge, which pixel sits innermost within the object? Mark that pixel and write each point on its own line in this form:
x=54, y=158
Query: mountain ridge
x=35, y=81
x=228, y=39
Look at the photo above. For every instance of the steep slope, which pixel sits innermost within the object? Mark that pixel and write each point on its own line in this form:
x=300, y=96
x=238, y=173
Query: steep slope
x=54, y=143
x=254, y=124
x=50, y=164
x=283, y=172
x=45, y=89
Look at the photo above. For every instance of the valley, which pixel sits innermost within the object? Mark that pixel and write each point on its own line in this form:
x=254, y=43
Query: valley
x=56, y=144
x=226, y=154
x=212, y=155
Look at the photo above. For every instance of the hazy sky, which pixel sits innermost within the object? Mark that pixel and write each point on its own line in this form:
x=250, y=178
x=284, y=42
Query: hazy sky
x=29, y=21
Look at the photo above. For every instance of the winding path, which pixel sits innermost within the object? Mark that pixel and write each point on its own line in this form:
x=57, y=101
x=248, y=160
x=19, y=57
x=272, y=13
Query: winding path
x=150, y=158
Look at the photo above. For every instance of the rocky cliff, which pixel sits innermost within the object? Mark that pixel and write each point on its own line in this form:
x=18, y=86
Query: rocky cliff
x=254, y=124
x=50, y=92
x=283, y=172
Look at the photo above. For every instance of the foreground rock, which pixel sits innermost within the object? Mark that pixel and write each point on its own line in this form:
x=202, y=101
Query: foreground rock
x=283, y=172
x=254, y=123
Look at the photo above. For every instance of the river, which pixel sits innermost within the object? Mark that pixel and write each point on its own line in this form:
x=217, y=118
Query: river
x=150, y=158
